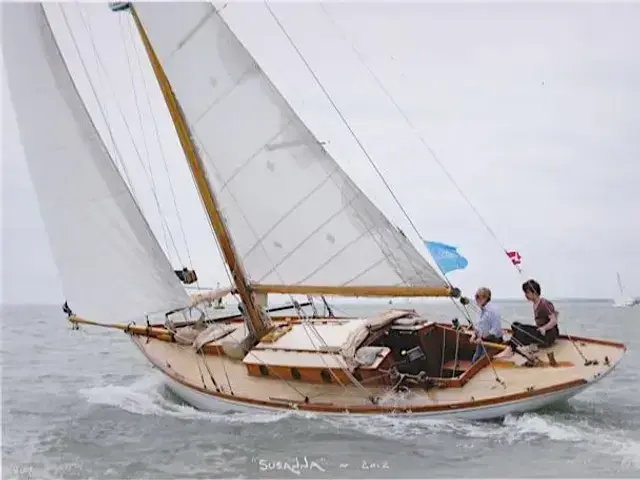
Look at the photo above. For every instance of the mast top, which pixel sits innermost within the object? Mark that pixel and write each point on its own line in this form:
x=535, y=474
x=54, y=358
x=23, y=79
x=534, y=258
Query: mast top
x=119, y=6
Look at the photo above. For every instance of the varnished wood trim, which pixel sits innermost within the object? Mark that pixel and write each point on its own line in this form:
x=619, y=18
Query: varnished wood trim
x=307, y=374
x=359, y=291
x=608, y=343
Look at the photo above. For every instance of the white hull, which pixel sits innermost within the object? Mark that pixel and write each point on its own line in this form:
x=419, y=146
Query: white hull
x=210, y=403
x=215, y=404
x=630, y=302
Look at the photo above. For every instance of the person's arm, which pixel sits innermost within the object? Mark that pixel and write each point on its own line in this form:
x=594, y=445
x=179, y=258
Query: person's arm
x=553, y=317
x=553, y=321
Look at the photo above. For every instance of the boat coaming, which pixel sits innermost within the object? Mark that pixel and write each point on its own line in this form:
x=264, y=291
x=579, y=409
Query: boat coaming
x=481, y=398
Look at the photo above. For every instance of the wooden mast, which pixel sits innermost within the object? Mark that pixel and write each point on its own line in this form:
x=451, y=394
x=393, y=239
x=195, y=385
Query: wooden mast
x=259, y=322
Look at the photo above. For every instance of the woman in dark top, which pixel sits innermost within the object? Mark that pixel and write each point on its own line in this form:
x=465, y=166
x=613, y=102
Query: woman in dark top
x=544, y=332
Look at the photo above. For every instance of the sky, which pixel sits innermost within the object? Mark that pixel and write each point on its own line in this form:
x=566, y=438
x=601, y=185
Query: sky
x=533, y=109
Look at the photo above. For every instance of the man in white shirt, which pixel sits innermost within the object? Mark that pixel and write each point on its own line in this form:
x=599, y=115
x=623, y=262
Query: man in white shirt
x=488, y=327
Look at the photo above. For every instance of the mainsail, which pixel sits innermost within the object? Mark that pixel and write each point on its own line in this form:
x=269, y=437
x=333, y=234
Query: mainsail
x=110, y=264
x=620, y=287
x=295, y=216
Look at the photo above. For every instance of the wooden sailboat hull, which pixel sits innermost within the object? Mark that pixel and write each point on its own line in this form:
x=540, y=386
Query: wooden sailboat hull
x=482, y=398
x=212, y=403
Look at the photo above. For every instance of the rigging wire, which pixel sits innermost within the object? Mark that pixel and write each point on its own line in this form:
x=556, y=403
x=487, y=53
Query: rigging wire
x=426, y=145
x=462, y=309
x=123, y=116
x=417, y=133
x=343, y=119
x=134, y=90
x=159, y=141
x=413, y=127
x=103, y=113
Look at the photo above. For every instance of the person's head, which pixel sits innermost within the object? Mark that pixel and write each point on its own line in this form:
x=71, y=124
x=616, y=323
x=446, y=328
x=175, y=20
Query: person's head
x=531, y=290
x=483, y=296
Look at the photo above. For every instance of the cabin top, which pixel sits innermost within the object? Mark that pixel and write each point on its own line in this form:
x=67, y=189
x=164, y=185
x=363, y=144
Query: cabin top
x=315, y=336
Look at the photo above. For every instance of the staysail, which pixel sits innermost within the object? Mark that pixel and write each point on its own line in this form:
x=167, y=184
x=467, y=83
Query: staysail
x=111, y=266
x=295, y=216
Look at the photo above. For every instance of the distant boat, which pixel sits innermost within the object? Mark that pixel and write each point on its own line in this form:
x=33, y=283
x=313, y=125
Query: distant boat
x=218, y=304
x=623, y=300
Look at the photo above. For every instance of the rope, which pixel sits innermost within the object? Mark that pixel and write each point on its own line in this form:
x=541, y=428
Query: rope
x=224, y=368
x=204, y=361
x=201, y=375
x=495, y=373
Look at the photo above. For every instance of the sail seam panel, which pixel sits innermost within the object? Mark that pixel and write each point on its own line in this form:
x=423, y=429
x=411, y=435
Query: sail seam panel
x=293, y=209
x=305, y=240
x=247, y=74
x=253, y=156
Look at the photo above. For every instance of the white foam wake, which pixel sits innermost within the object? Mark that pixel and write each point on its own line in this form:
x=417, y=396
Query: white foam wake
x=513, y=429
x=144, y=397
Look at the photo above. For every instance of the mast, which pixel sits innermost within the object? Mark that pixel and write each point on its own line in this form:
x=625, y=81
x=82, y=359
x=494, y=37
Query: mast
x=620, y=284
x=259, y=323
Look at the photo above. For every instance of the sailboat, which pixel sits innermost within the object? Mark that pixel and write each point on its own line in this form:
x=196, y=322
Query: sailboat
x=288, y=221
x=218, y=303
x=623, y=300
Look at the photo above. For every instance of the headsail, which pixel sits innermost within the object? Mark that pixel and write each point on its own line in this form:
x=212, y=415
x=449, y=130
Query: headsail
x=295, y=216
x=111, y=265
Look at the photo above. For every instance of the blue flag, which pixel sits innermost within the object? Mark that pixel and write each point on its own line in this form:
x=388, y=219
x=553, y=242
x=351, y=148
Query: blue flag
x=446, y=256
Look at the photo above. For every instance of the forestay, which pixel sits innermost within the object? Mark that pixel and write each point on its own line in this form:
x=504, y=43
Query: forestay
x=110, y=264
x=294, y=215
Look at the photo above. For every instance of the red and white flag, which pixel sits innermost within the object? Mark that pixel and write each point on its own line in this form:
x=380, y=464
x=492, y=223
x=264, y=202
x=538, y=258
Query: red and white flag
x=515, y=257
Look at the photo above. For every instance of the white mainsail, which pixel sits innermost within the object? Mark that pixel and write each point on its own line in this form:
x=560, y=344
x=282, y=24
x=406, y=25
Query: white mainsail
x=110, y=264
x=294, y=214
